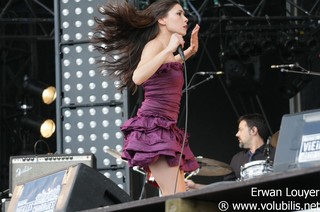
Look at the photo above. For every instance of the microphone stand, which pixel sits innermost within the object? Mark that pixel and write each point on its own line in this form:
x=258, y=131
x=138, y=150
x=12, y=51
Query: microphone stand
x=267, y=150
x=199, y=83
x=304, y=71
x=188, y=87
x=268, y=162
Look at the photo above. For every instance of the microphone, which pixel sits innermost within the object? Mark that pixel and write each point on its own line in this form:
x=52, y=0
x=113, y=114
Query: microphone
x=210, y=73
x=284, y=66
x=181, y=53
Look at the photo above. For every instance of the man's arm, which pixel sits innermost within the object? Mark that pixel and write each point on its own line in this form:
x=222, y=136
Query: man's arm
x=190, y=185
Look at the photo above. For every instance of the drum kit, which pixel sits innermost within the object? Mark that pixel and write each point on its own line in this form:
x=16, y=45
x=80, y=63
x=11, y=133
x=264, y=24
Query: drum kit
x=211, y=167
x=260, y=167
x=254, y=169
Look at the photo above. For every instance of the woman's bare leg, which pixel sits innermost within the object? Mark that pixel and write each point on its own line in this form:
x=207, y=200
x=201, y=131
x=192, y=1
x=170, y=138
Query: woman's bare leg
x=165, y=177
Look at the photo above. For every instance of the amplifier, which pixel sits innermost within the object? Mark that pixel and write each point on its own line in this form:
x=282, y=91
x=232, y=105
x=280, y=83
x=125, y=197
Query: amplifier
x=28, y=167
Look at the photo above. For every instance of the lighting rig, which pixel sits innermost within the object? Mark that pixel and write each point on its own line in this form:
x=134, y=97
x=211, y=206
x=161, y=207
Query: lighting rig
x=250, y=36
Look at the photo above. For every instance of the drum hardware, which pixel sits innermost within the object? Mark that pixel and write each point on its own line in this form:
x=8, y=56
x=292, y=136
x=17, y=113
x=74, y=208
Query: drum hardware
x=210, y=167
x=267, y=150
x=195, y=172
x=267, y=147
x=138, y=169
x=149, y=177
x=115, y=154
x=255, y=168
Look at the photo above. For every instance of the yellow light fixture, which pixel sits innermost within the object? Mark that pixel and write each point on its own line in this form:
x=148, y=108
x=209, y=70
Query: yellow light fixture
x=45, y=127
x=47, y=93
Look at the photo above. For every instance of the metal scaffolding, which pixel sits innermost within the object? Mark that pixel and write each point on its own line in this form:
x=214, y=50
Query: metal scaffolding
x=26, y=27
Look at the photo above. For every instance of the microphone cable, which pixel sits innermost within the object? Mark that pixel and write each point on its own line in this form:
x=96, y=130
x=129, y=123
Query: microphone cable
x=185, y=125
x=191, y=80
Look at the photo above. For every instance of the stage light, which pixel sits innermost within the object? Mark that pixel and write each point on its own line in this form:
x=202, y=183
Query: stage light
x=310, y=42
x=44, y=127
x=39, y=89
x=246, y=47
x=234, y=69
x=243, y=43
x=293, y=84
x=243, y=75
x=266, y=44
x=290, y=43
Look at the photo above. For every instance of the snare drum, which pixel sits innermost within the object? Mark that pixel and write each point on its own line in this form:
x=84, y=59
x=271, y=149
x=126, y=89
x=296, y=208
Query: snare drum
x=255, y=168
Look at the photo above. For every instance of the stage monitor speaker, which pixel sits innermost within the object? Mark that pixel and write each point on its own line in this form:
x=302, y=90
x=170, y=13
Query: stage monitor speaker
x=27, y=167
x=299, y=141
x=76, y=188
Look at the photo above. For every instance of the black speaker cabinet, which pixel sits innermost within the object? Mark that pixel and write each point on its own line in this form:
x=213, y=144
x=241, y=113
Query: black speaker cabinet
x=27, y=167
x=76, y=188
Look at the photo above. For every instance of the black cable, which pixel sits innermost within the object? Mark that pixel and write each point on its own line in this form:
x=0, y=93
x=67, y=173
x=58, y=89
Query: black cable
x=191, y=80
x=145, y=181
x=189, y=87
x=185, y=126
x=35, y=146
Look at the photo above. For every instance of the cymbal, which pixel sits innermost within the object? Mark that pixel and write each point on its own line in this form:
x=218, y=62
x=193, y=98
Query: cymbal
x=210, y=167
x=274, y=139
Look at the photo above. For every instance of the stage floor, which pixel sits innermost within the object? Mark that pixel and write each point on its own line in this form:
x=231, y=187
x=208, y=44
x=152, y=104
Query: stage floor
x=292, y=190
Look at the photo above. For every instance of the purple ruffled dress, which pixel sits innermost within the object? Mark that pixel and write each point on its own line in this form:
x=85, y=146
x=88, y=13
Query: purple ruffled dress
x=154, y=132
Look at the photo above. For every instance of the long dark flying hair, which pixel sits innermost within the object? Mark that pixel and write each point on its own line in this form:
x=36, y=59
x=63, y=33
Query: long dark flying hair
x=122, y=33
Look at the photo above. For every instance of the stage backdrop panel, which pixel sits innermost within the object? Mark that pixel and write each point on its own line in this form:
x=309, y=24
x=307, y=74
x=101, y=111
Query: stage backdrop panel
x=89, y=107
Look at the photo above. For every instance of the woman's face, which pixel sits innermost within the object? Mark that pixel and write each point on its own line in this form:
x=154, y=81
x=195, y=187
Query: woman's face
x=175, y=20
